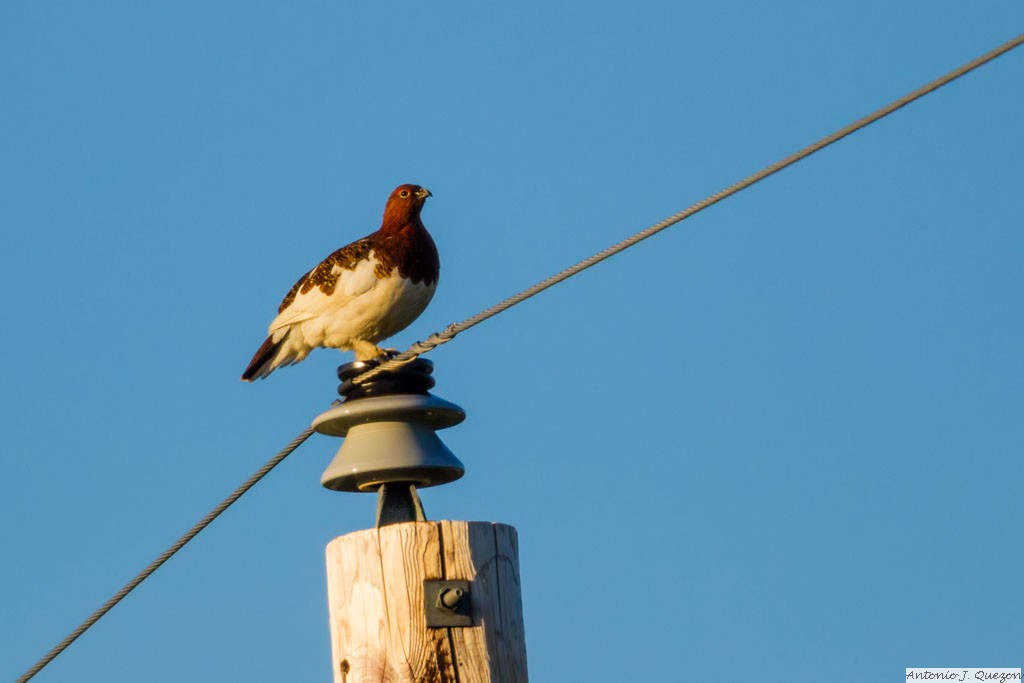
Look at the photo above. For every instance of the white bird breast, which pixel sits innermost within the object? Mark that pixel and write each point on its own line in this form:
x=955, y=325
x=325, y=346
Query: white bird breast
x=362, y=306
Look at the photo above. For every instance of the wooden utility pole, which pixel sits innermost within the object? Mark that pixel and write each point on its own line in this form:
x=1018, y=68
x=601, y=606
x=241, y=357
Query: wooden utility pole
x=415, y=601
x=381, y=581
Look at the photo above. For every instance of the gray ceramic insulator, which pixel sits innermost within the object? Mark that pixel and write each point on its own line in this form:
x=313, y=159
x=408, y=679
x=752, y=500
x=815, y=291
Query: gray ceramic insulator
x=390, y=439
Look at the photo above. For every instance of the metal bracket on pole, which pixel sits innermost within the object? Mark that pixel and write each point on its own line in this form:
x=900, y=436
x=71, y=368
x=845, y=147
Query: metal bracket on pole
x=447, y=603
x=398, y=502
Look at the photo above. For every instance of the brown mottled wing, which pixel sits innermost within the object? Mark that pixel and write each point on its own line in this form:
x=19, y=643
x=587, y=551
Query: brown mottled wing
x=345, y=258
x=312, y=295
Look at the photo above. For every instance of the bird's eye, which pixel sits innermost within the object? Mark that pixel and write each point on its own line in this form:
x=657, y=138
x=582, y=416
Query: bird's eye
x=403, y=193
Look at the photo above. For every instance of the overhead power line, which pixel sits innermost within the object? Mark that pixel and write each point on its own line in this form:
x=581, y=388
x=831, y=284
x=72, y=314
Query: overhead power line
x=167, y=554
x=449, y=333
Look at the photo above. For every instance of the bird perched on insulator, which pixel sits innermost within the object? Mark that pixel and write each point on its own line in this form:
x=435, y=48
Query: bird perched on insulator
x=359, y=295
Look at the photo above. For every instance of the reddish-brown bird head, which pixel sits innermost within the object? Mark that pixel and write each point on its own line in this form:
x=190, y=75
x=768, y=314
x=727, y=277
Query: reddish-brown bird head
x=404, y=206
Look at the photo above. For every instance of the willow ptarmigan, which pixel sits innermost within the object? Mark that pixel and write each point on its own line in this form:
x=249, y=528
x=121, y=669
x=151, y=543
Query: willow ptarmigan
x=360, y=294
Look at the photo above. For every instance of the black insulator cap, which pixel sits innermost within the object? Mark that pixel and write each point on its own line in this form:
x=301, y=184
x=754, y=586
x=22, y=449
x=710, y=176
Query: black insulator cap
x=411, y=378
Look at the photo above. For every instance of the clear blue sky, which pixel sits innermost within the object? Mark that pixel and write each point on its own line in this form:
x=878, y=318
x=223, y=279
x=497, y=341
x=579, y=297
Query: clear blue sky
x=781, y=442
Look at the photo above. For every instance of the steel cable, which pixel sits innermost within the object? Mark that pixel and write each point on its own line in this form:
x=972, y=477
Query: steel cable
x=167, y=554
x=449, y=333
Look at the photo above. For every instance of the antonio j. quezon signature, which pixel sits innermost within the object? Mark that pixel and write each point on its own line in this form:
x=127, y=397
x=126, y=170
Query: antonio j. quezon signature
x=987, y=675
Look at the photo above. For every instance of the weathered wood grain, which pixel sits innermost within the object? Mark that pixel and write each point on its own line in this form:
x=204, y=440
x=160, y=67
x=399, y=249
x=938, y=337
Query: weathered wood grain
x=375, y=600
x=512, y=654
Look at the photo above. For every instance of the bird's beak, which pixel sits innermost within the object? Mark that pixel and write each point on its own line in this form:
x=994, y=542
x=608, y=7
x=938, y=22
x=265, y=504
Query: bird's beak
x=423, y=193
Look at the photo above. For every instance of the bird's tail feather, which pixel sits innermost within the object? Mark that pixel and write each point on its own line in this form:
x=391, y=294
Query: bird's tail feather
x=272, y=354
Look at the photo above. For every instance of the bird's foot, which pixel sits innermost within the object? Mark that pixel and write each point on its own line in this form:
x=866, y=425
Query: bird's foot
x=367, y=351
